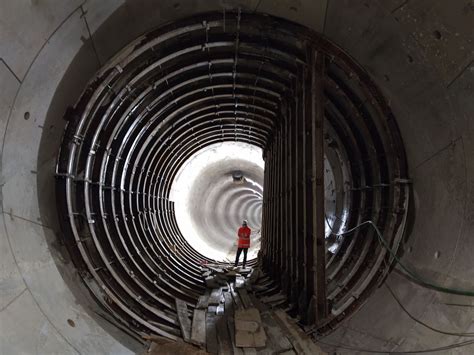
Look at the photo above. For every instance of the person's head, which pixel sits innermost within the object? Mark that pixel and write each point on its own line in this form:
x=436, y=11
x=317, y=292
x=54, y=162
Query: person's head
x=244, y=223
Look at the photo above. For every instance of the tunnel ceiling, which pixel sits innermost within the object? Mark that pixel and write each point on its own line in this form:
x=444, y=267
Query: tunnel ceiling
x=208, y=79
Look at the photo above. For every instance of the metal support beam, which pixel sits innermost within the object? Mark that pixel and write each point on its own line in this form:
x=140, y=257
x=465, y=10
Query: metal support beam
x=317, y=70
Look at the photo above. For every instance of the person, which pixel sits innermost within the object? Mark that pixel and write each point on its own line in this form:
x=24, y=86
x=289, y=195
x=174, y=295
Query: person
x=244, y=242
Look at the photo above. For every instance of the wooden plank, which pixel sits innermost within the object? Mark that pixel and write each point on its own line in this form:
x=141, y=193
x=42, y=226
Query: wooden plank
x=184, y=321
x=302, y=343
x=262, y=307
x=237, y=300
x=223, y=337
x=277, y=340
x=203, y=302
x=228, y=304
x=216, y=296
x=231, y=328
x=198, y=330
x=244, y=297
x=212, y=345
x=246, y=338
x=269, y=289
x=274, y=298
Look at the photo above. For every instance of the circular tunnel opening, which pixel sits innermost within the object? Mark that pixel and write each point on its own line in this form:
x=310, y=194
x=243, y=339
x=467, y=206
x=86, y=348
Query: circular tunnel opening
x=138, y=226
x=217, y=189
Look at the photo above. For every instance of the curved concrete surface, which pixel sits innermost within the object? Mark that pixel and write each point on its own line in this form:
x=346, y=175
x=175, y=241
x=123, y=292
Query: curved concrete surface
x=419, y=52
x=210, y=204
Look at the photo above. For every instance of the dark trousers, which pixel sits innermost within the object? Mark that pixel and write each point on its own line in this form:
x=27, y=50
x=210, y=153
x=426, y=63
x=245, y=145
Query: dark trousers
x=239, y=250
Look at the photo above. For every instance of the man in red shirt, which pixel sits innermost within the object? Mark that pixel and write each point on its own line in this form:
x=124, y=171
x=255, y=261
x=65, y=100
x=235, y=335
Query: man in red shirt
x=244, y=242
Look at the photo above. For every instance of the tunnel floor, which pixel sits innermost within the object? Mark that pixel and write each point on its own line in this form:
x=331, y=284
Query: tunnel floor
x=238, y=314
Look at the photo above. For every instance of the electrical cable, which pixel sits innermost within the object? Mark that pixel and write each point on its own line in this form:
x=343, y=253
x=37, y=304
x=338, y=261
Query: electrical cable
x=421, y=322
x=447, y=347
x=409, y=272
x=417, y=278
x=418, y=320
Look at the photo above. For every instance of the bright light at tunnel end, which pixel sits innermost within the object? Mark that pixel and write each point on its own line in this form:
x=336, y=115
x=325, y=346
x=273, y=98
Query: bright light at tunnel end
x=185, y=179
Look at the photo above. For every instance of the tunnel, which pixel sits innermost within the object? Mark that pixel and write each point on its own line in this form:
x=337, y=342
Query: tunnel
x=138, y=135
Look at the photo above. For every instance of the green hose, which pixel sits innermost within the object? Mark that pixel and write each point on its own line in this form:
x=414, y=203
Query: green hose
x=410, y=273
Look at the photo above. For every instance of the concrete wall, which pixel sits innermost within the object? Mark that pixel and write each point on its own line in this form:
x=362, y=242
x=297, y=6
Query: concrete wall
x=421, y=54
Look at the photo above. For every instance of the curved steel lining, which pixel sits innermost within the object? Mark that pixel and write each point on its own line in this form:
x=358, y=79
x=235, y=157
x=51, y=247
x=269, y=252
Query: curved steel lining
x=170, y=95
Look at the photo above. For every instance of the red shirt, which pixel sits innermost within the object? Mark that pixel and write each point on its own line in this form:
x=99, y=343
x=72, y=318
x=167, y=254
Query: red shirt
x=244, y=237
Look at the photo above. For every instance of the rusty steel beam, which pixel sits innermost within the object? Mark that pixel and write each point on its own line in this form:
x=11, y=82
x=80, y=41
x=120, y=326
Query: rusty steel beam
x=319, y=297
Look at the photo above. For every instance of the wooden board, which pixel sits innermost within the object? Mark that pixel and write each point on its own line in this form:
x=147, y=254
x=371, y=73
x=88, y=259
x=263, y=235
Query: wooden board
x=277, y=340
x=249, y=339
x=231, y=328
x=247, y=303
x=302, y=343
x=203, y=300
x=184, y=321
x=236, y=298
x=262, y=307
x=198, y=330
x=212, y=345
x=223, y=337
x=215, y=297
x=228, y=304
x=274, y=298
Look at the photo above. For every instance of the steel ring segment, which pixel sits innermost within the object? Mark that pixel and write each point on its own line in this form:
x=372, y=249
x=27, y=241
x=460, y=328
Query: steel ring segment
x=191, y=84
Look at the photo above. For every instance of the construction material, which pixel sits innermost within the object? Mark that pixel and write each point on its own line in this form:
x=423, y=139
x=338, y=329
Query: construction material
x=198, y=330
x=164, y=346
x=247, y=303
x=301, y=342
x=223, y=336
x=184, y=321
x=249, y=332
x=216, y=297
x=203, y=300
x=212, y=345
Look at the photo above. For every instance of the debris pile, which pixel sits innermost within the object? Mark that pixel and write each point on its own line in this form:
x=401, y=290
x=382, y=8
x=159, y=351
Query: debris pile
x=218, y=275
x=238, y=314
